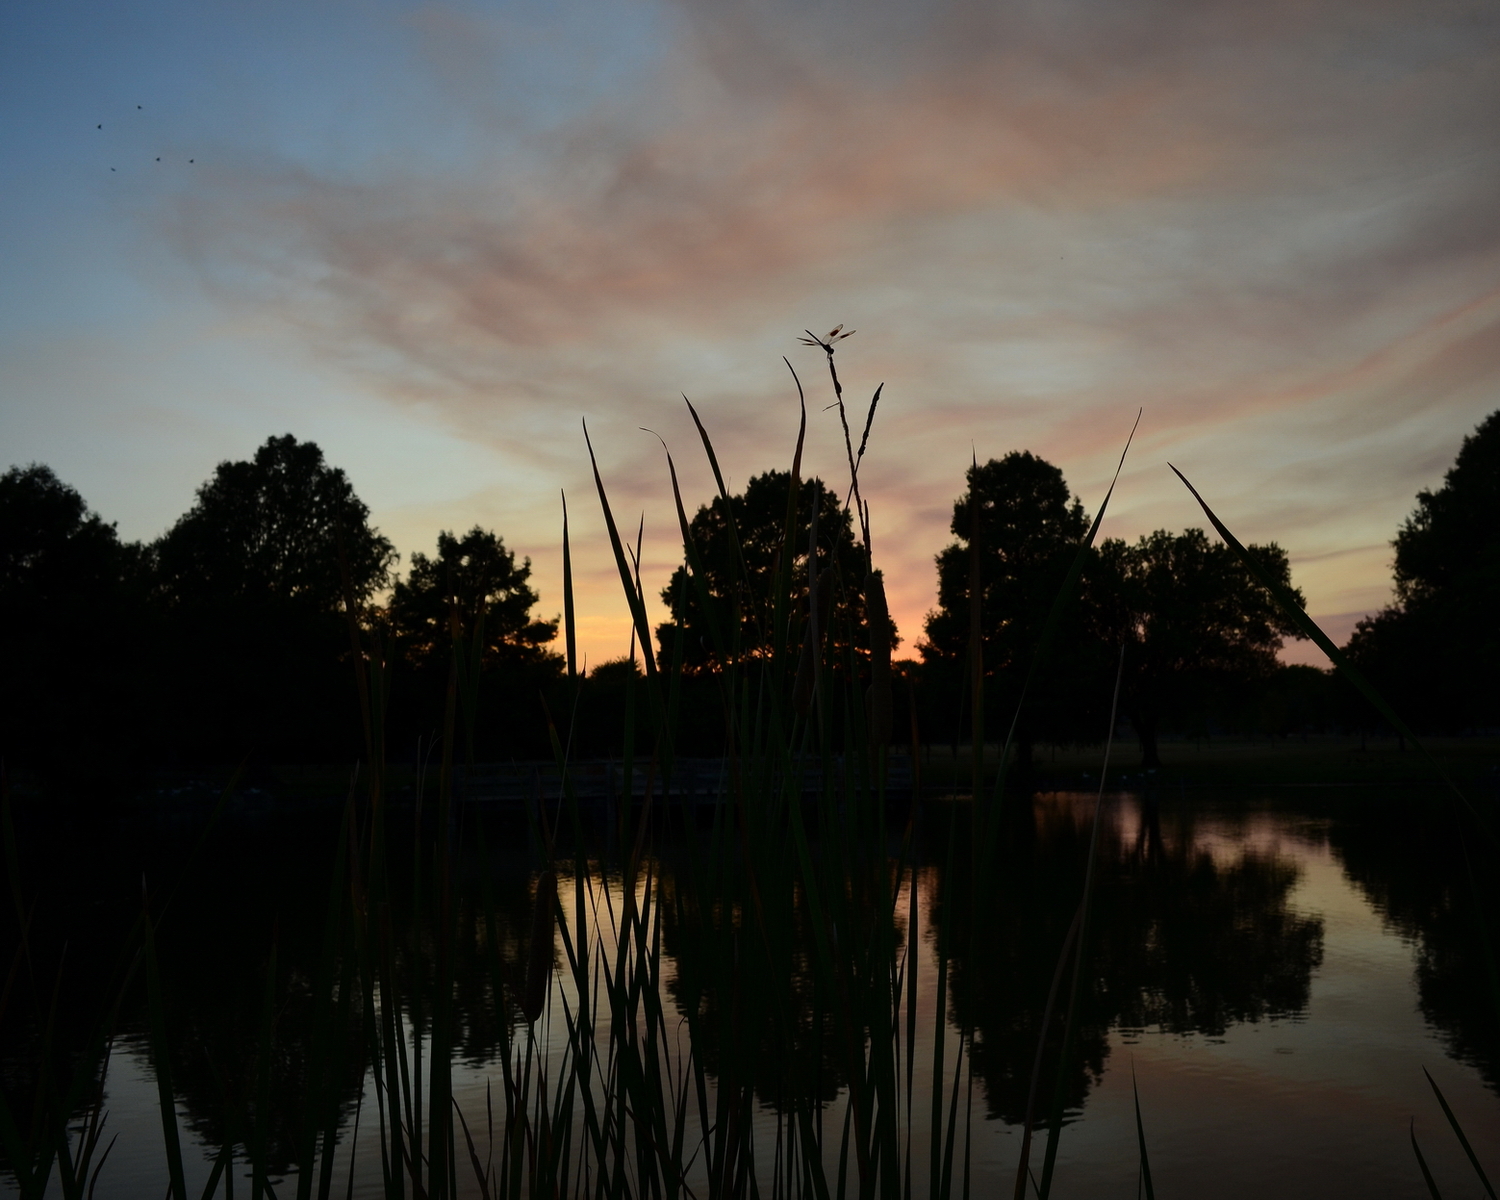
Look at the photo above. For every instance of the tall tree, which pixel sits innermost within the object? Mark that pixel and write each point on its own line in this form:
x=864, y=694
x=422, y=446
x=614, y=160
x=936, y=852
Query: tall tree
x=476, y=575
x=1028, y=527
x=68, y=604
x=1192, y=620
x=477, y=579
x=759, y=518
x=255, y=577
x=1437, y=647
x=283, y=526
x=53, y=549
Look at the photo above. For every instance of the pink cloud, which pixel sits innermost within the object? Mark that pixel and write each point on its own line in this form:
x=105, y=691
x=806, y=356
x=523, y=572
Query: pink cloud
x=1247, y=221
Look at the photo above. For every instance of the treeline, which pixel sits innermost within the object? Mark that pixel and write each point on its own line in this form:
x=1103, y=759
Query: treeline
x=1195, y=640
x=1436, y=649
x=1201, y=637
x=231, y=635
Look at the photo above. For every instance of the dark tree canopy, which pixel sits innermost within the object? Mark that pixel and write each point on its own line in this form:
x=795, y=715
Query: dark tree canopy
x=1195, y=625
x=1189, y=615
x=52, y=548
x=1029, y=528
x=1451, y=542
x=760, y=519
x=68, y=634
x=229, y=637
x=255, y=655
x=476, y=578
x=480, y=576
x=283, y=526
x=1436, y=651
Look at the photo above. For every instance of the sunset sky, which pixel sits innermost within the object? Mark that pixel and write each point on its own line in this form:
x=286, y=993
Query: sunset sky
x=433, y=238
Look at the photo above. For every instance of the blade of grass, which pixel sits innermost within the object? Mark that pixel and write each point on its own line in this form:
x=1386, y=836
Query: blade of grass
x=789, y=530
x=160, y=1055
x=713, y=461
x=1459, y=1131
x=637, y=609
x=695, y=565
x=221, y=1163
x=258, y=1154
x=570, y=624
x=1027, y=1127
x=1140, y=1134
x=1427, y=1178
x=1059, y=605
x=976, y=641
x=94, y=1178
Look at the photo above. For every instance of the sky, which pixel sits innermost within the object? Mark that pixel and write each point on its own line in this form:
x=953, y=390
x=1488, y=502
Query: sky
x=435, y=238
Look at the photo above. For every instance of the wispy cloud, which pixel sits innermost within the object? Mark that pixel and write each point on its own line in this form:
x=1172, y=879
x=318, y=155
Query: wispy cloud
x=1272, y=226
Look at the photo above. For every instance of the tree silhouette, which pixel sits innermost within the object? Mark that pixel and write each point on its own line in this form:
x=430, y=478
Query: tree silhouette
x=52, y=548
x=68, y=602
x=477, y=579
x=1407, y=864
x=253, y=580
x=1192, y=620
x=1029, y=526
x=759, y=515
x=478, y=575
x=1437, y=647
x=283, y=527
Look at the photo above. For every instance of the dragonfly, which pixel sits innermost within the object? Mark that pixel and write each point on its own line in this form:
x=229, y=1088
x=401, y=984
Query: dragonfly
x=828, y=339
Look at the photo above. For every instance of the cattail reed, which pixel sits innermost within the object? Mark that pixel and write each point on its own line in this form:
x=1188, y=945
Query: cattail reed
x=539, y=963
x=812, y=638
x=879, y=695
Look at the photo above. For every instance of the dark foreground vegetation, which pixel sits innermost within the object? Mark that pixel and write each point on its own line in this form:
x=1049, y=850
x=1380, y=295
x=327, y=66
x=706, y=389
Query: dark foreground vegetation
x=779, y=1055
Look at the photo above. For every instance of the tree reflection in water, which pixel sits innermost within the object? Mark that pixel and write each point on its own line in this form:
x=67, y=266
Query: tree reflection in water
x=1189, y=934
x=1404, y=854
x=1181, y=940
x=256, y=880
x=774, y=1016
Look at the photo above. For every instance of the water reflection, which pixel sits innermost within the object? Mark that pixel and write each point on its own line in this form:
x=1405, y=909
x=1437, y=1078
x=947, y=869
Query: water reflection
x=1197, y=929
x=751, y=990
x=1405, y=855
x=1184, y=940
x=260, y=880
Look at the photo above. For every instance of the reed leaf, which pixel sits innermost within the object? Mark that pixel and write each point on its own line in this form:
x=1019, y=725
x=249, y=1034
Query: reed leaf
x=1458, y=1131
x=160, y=1055
x=637, y=609
x=1140, y=1135
x=570, y=623
x=1432, y=1187
x=539, y=962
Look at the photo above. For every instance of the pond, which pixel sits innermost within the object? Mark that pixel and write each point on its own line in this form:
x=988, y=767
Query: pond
x=1270, y=973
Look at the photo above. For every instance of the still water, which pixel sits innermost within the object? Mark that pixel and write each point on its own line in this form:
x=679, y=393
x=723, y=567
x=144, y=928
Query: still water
x=1271, y=972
